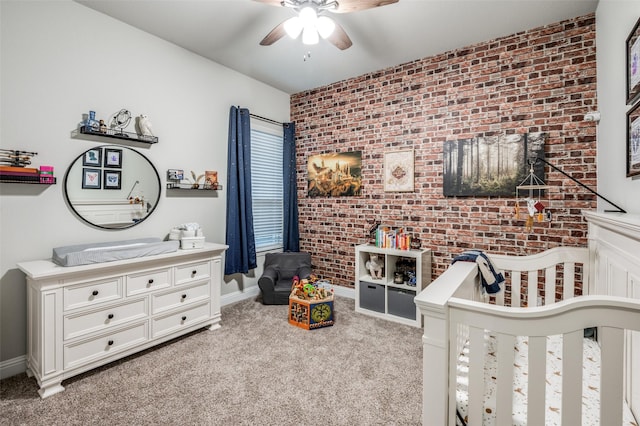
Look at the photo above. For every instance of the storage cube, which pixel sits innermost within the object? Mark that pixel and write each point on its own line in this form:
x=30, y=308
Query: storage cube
x=400, y=302
x=372, y=296
x=310, y=314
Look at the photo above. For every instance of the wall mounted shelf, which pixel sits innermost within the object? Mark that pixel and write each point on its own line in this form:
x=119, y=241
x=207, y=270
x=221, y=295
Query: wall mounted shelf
x=88, y=134
x=28, y=182
x=189, y=187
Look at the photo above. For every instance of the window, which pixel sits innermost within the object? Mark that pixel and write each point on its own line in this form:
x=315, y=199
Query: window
x=266, y=187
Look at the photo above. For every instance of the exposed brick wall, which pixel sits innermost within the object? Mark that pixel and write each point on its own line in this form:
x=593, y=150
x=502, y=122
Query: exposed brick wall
x=542, y=80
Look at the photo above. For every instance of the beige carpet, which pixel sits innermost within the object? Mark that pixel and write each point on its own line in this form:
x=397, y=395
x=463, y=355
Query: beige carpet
x=256, y=370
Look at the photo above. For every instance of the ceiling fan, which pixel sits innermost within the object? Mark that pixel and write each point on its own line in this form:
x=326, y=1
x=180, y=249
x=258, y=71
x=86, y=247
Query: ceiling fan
x=313, y=23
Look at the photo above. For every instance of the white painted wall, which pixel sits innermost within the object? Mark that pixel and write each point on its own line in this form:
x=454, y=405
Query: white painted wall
x=614, y=21
x=61, y=59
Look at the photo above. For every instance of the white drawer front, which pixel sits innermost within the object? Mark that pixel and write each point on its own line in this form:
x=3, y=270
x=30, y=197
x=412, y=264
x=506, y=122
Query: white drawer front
x=149, y=281
x=92, y=293
x=84, y=323
x=176, y=321
x=182, y=297
x=89, y=350
x=190, y=273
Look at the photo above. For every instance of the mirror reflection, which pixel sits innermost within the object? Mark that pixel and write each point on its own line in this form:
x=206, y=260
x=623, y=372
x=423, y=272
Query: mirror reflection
x=112, y=187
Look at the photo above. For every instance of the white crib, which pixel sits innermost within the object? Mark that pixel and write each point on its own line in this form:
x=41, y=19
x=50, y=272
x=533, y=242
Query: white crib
x=529, y=327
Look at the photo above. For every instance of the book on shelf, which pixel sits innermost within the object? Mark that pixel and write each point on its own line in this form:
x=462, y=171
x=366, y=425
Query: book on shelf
x=15, y=169
x=398, y=239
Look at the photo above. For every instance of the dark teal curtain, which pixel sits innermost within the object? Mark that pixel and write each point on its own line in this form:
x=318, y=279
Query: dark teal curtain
x=291, y=234
x=241, y=255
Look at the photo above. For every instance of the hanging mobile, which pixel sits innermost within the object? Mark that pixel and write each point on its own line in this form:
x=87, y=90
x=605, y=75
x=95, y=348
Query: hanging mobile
x=535, y=186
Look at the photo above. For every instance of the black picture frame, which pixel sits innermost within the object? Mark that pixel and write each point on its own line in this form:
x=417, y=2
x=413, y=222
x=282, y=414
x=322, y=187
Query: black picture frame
x=633, y=64
x=91, y=178
x=633, y=141
x=112, y=179
x=113, y=158
x=92, y=157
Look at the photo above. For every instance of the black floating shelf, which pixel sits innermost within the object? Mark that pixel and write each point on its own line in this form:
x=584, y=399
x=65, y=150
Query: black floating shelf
x=190, y=187
x=117, y=134
x=29, y=182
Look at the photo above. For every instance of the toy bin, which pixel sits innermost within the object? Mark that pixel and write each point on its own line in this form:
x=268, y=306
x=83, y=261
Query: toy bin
x=310, y=314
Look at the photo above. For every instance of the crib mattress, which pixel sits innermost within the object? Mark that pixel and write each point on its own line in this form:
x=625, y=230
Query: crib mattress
x=591, y=383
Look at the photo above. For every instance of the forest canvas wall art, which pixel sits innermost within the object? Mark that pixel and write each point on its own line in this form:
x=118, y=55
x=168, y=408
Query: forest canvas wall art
x=490, y=166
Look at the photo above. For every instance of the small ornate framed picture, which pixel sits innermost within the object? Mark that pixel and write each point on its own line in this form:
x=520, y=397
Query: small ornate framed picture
x=112, y=179
x=398, y=171
x=113, y=158
x=633, y=64
x=92, y=157
x=633, y=141
x=91, y=179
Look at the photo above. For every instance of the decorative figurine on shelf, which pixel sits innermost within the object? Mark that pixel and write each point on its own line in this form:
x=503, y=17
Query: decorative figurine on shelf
x=144, y=125
x=196, y=180
x=374, y=265
x=92, y=125
x=103, y=127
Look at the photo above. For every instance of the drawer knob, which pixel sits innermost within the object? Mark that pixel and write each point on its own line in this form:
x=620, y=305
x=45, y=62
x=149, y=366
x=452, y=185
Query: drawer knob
x=194, y=272
x=151, y=281
x=184, y=318
x=95, y=292
x=110, y=342
x=184, y=296
x=110, y=316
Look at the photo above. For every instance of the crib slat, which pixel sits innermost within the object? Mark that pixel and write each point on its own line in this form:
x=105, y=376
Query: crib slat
x=476, y=375
x=611, y=389
x=504, y=395
x=516, y=287
x=536, y=388
x=572, y=378
x=500, y=297
x=532, y=287
x=550, y=285
x=569, y=281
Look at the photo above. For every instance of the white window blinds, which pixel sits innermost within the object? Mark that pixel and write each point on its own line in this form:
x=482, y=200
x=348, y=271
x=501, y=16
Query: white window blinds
x=266, y=188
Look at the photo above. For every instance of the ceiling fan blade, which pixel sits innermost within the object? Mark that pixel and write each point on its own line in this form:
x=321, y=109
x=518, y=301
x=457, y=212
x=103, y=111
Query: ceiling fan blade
x=346, y=6
x=271, y=2
x=339, y=38
x=276, y=34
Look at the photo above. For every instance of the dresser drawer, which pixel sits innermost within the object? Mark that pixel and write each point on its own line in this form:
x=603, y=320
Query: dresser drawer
x=99, y=347
x=193, y=272
x=89, y=322
x=174, y=322
x=92, y=293
x=148, y=281
x=182, y=297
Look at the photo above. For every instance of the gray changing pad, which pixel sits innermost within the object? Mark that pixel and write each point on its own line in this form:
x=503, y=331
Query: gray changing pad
x=84, y=254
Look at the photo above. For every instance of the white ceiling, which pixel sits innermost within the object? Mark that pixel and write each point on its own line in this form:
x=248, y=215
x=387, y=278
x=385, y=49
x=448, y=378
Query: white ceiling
x=229, y=31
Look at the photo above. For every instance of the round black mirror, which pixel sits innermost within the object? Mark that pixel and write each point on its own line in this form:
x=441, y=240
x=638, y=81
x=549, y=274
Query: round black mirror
x=112, y=187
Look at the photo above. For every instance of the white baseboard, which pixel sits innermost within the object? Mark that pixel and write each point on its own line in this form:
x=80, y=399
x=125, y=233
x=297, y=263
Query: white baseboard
x=12, y=367
x=344, y=291
x=238, y=296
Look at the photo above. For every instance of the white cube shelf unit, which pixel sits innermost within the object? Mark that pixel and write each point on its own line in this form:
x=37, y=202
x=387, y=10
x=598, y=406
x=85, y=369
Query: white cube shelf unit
x=384, y=298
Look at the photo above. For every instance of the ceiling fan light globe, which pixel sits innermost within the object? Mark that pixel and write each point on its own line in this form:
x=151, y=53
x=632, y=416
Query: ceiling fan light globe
x=325, y=26
x=293, y=27
x=310, y=35
x=308, y=16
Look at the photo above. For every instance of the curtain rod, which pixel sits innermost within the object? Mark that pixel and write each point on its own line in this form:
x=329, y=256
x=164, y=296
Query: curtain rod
x=268, y=120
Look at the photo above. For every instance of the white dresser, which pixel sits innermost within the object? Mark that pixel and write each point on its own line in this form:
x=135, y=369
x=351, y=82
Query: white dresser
x=81, y=317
